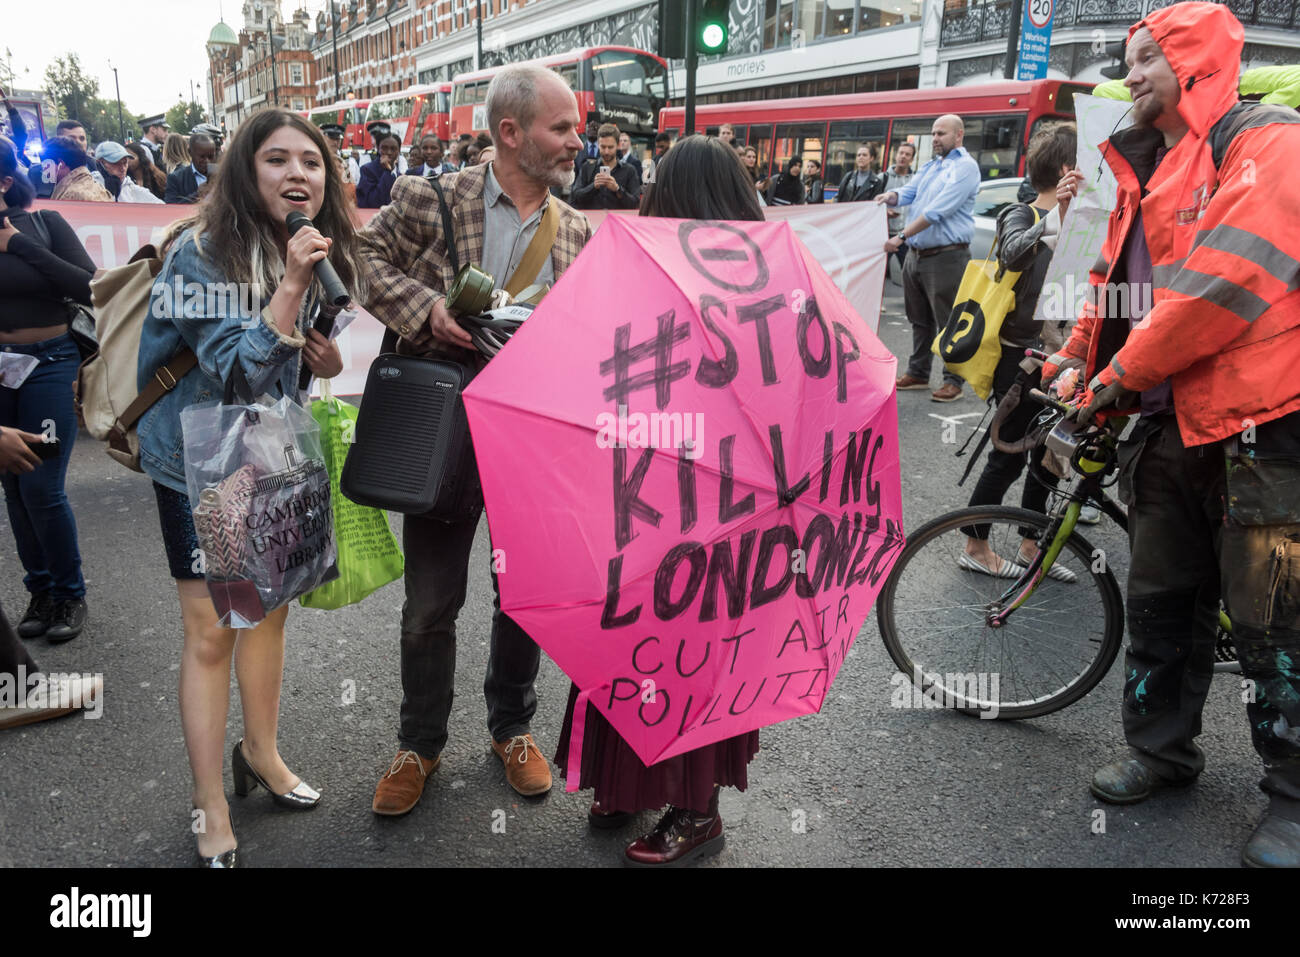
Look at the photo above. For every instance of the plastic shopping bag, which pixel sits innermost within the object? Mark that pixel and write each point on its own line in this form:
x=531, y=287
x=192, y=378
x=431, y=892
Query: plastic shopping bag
x=369, y=555
x=260, y=494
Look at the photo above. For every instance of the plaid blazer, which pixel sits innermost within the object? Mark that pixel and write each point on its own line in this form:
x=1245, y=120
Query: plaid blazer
x=405, y=253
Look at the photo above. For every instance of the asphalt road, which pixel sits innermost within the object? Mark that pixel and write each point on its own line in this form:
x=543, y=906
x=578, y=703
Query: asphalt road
x=870, y=784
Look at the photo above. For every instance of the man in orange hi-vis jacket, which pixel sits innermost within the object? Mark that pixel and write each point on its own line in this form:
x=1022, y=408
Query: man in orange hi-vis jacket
x=1203, y=337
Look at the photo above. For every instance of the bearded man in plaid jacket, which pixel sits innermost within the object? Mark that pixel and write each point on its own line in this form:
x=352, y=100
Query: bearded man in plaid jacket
x=496, y=208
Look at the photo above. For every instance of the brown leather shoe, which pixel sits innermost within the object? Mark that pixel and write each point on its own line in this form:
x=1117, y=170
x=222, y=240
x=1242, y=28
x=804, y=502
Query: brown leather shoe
x=946, y=393
x=399, y=790
x=526, y=769
x=910, y=382
x=680, y=837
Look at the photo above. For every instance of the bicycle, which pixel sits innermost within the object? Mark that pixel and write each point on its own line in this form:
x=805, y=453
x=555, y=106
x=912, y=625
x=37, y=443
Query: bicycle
x=1050, y=637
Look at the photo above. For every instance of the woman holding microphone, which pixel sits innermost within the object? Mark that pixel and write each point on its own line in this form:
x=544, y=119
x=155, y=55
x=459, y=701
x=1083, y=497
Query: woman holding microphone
x=278, y=163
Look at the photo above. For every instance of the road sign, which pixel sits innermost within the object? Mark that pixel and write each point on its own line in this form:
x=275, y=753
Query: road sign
x=1035, y=39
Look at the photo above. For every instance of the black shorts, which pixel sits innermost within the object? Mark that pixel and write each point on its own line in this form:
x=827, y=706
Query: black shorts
x=179, y=538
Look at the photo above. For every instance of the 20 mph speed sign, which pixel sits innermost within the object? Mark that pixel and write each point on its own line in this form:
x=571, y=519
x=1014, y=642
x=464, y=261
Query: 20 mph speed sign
x=1035, y=39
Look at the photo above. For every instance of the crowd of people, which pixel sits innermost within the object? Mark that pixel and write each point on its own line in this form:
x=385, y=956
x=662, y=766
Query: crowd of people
x=1204, y=361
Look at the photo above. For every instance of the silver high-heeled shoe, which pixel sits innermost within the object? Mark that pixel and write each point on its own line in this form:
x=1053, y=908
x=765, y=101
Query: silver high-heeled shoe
x=303, y=797
x=226, y=859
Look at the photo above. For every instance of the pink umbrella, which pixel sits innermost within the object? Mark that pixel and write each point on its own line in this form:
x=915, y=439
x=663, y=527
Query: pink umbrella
x=690, y=459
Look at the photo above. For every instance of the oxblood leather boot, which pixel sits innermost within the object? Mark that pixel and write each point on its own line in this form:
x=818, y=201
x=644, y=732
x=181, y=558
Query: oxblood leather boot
x=681, y=836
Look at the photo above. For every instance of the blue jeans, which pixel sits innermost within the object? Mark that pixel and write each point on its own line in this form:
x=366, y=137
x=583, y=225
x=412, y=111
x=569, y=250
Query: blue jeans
x=44, y=528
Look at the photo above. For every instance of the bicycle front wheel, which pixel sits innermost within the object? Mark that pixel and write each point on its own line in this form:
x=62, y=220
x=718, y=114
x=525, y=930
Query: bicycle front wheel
x=938, y=618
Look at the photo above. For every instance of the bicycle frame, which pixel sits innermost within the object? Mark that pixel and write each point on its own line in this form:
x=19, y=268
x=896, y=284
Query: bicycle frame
x=1094, y=470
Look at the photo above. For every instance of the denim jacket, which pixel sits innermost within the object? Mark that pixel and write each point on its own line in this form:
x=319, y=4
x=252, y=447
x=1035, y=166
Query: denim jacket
x=215, y=321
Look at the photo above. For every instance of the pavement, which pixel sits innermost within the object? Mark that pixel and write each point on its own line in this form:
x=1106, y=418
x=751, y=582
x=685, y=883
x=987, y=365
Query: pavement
x=860, y=784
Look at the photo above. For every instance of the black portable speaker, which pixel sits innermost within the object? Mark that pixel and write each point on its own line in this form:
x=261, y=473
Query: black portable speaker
x=412, y=451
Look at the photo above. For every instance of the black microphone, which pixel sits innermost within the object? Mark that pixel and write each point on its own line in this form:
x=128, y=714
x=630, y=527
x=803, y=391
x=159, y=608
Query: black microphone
x=1193, y=80
x=335, y=292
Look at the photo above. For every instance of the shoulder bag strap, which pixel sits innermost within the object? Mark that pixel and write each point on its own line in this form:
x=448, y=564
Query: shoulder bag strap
x=538, y=249
x=389, y=342
x=448, y=231
x=164, y=379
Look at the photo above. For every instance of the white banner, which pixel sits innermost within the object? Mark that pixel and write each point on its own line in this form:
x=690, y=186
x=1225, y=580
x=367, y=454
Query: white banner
x=847, y=239
x=1083, y=231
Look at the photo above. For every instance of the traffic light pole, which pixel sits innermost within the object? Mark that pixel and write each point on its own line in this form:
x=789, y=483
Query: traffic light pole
x=692, y=64
x=1013, y=41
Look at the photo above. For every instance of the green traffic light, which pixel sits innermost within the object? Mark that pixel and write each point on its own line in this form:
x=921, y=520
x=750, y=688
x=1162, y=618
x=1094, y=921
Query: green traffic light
x=713, y=36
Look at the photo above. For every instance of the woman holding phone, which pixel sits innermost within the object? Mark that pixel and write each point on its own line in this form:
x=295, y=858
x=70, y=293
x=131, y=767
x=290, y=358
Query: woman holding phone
x=277, y=164
x=43, y=269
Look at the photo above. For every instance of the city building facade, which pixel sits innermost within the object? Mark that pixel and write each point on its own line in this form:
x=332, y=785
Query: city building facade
x=268, y=63
x=777, y=49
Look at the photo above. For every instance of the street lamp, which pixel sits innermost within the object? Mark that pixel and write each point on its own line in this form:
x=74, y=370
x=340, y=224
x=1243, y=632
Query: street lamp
x=274, y=41
x=334, y=29
x=121, y=130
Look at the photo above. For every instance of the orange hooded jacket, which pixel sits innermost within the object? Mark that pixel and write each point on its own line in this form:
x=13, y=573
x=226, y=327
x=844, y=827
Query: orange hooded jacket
x=1224, y=244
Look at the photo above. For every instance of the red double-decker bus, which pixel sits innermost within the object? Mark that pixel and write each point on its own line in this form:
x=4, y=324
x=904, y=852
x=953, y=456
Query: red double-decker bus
x=620, y=85
x=1000, y=118
x=415, y=111
x=349, y=114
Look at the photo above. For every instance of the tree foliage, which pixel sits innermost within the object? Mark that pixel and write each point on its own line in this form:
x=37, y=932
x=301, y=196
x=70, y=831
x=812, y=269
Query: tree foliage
x=184, y=116
x=76, y=96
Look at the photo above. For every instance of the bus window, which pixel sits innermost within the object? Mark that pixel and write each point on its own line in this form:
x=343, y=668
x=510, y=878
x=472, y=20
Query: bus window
x=392, y=109
x=994, y=142
x=568, y=73
x=798, y=139
x=630, y=89
x=916, y=132
x=321, y=117
x=760, y=137
x=843, y=142
x=741, y=133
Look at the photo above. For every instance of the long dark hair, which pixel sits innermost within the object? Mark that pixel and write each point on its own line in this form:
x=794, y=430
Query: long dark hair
x=21, y=193
x=787, y=186
x=236, y=232
x=146, y=174
x=702, y=178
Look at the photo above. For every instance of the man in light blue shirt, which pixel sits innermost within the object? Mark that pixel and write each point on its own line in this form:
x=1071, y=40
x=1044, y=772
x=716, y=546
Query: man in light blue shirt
x=937, y=235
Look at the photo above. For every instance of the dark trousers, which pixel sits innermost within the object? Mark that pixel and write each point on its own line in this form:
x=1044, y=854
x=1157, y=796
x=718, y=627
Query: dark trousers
x=45, y=531
x=1185, y=554
x=1002, y=468
x=930, y=284
x=437, y=573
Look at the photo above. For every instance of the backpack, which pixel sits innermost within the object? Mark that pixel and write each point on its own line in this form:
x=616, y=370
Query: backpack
x=106, y=397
